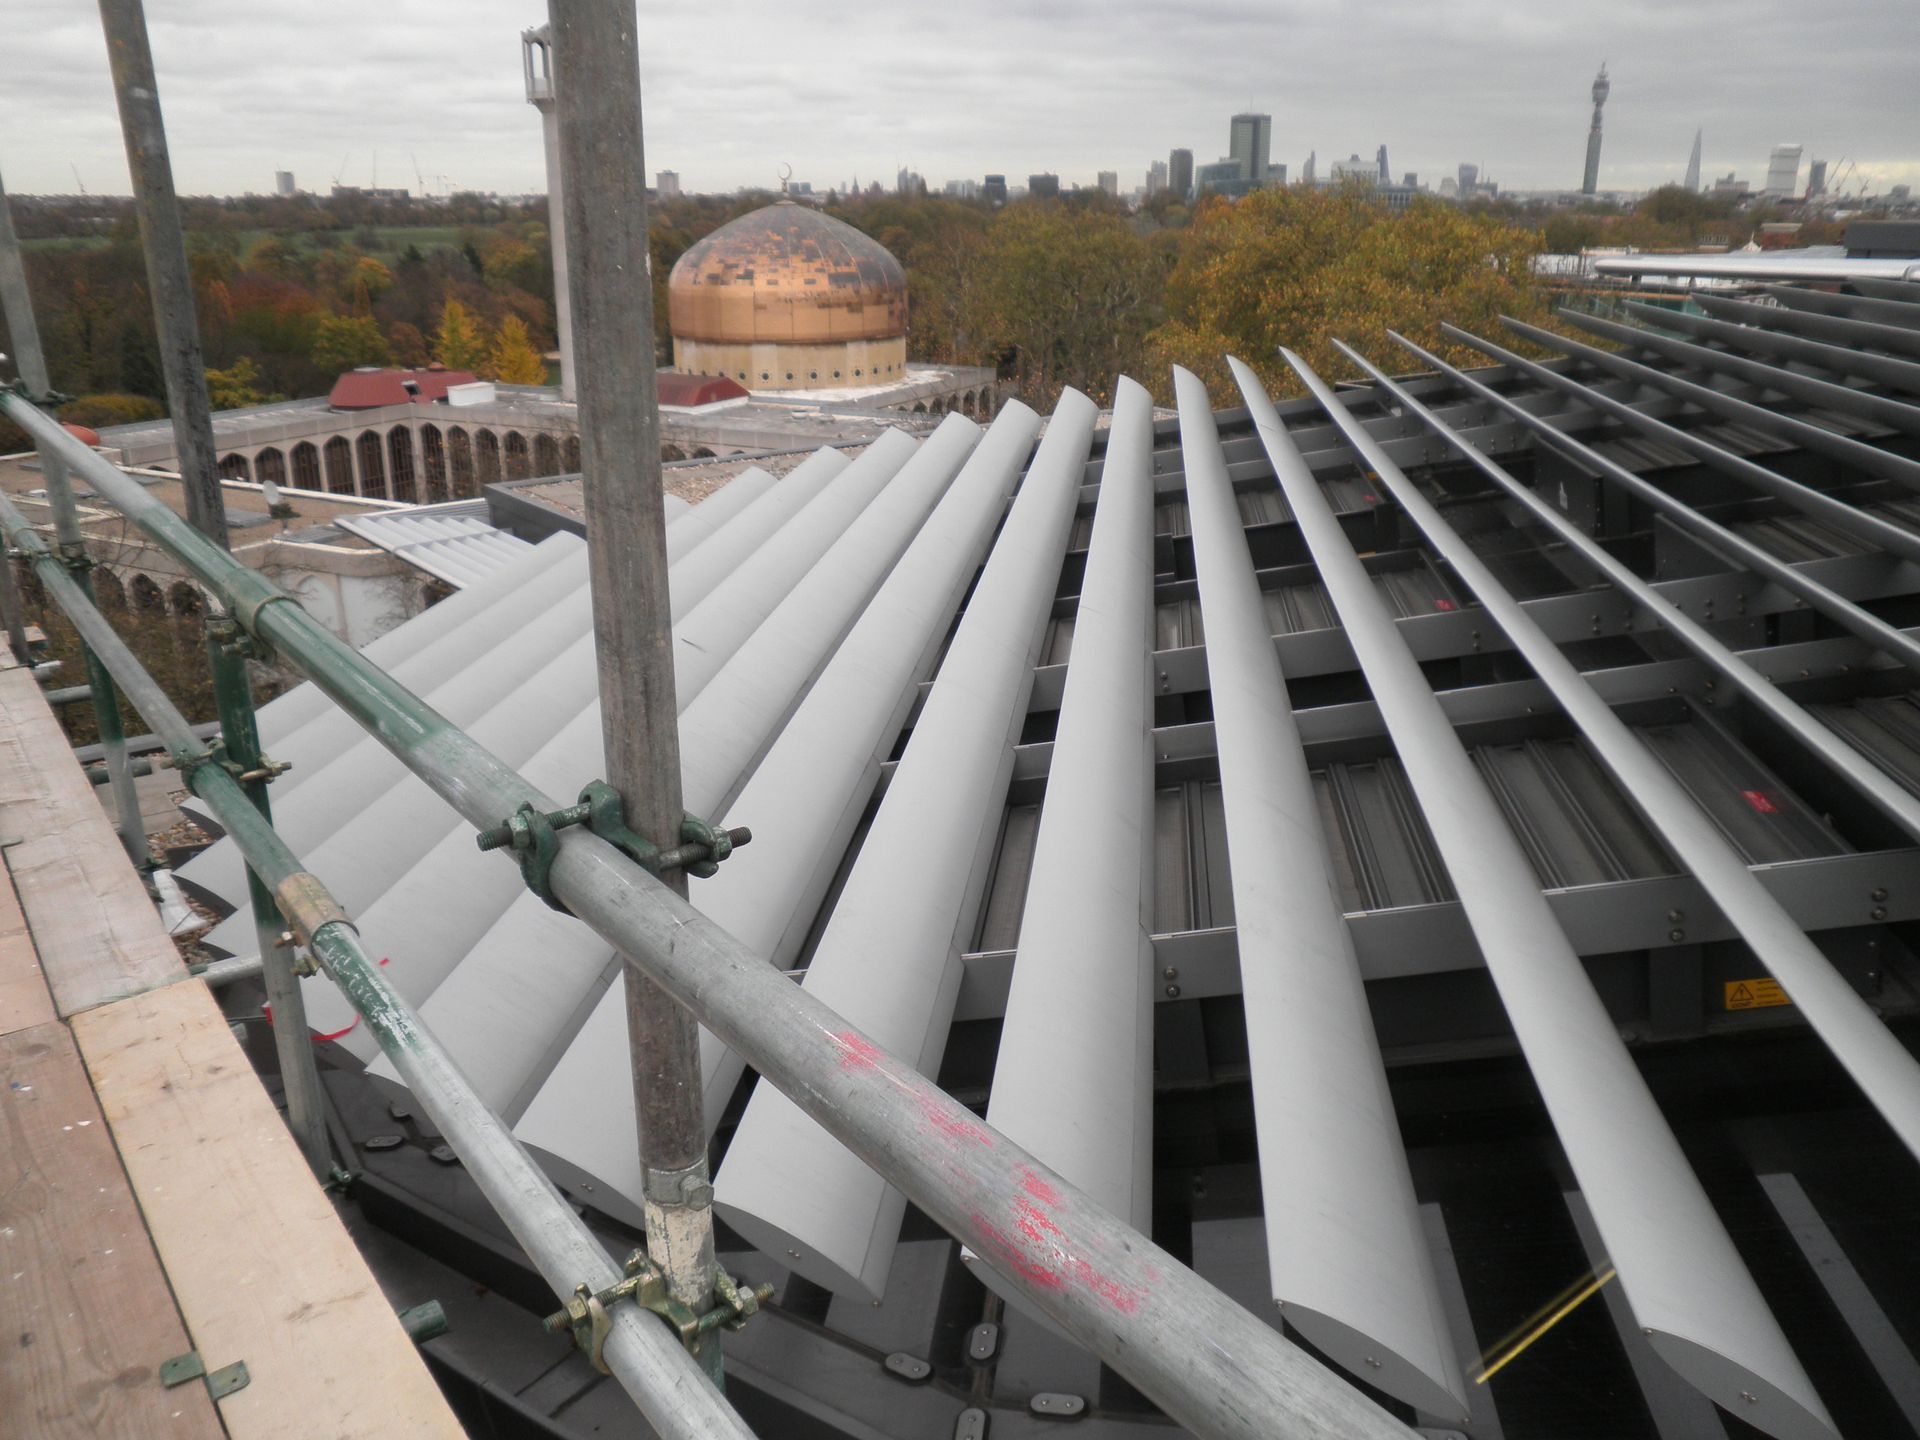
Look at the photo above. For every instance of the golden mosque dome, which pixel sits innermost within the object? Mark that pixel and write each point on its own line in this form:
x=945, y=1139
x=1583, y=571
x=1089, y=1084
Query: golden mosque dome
x=789, y=298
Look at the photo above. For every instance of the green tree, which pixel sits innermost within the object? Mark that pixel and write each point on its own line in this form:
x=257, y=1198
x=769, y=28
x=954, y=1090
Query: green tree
x=1299, y=267
x=345, y=342
x=99, y=411
x=459, y=343
x=235, y=387
x=514, y=361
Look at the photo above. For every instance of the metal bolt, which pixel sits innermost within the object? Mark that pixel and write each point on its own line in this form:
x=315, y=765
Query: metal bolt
x=1173, y=992
x=1675, y=916
x=1676, y=935
x=696, y=1192
x=1879, y=893
x=1879, y=912
x=1172, y=973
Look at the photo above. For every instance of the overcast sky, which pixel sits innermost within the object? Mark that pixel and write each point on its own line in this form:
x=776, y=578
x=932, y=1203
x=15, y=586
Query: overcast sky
x=733, y=90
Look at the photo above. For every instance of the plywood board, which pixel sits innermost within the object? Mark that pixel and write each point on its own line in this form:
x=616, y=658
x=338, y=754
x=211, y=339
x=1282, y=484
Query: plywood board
x=86, y=1318
x=24, y=998
x=263, y=1270
x=98, y=935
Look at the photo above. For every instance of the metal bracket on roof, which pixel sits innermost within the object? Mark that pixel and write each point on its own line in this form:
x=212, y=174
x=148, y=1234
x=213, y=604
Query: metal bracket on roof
x=216, y=754
x=533, y=837
x=585, y=1317
x=46, y=400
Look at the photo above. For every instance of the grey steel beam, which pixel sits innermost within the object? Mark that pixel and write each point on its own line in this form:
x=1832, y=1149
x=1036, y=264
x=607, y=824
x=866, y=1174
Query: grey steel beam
x=1882, y=534
x=1807, y=389
x=1687, y=1282
x=1870, y=459
x=1735, y=549
x=1348, y=1263
x=1205, y=1361
x=1882, y=1067
x=1906, y=292
x=1832, y=329
x=1859, y=307
x=1086, y=1107
x=888, y=957
x=1901, y=375
x=804, y=799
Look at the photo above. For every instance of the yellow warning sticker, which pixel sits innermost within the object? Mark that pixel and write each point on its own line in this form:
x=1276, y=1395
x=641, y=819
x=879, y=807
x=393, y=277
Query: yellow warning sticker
x=1755, y=994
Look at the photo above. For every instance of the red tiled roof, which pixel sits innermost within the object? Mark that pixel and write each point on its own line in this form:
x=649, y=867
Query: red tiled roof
x=371, y=389
x=690, y=390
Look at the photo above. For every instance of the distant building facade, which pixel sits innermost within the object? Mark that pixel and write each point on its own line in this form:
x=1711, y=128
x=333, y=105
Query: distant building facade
x=1180, y=172
x=1783, y=171
x=283, y=183
x=1156, y=177
x=1109, y=181
x=1590, y=181
x=1692, y=181
x=1353, y=168
x=994, y=188
x=666, y=184
x=1251, y=145
x=1816, y=179
x=1043, y=187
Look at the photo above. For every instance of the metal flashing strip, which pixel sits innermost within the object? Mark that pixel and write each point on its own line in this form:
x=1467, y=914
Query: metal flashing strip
x=1680, y=1269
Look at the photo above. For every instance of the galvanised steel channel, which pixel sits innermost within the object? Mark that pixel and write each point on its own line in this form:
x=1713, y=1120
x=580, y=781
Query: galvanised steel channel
x=1902, y=375
x=1883, y=1068
x=1822, y=394
x=1686, y=1280
x=1859, y=307
x=1866, y=779
x=1734, y=549
x=1833, y=329
x=651, y=1364
x=1879, y=533
x=1820, y=441
x=1200, y=1356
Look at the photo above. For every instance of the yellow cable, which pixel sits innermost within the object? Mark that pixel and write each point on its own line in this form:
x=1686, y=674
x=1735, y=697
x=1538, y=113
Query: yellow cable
x=1559, y=1312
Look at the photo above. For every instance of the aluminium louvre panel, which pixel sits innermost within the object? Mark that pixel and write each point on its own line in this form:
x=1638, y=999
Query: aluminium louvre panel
x=888, y=959
x=1086, y=1108
x=521, y=1018
x=1347, y=1255
x=458, y=550
x=1858, y=307
x=533, y=669
x=805, y=799
x=435, y=912
x=1895, y=374
x=1679, y=1267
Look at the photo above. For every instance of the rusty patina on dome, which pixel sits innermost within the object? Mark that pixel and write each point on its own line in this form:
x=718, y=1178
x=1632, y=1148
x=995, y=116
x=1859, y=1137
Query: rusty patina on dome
x=787, y=275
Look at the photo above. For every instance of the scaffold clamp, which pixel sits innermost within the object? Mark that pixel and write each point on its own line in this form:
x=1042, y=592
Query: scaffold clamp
x=532, y=836
x=585, y=1317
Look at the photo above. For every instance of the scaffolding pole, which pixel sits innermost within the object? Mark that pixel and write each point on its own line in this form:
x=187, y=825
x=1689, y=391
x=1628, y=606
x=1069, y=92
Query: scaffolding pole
x=30, y=363
x=183, y=366
x=1207, y=1361
x=642, y=1354
x=596, y=81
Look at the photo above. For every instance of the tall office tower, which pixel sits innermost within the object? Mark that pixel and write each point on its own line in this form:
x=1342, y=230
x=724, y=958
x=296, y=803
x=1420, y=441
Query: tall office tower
x=1109, y=181
x=666, y=184
x=1156, y=177
x=1252, y=144
x=1693, y=167
x=994, y=188
x=1043, y=186
x=1180, y=173
x=1783, y=171
x=536, y=58
x=1469, y=180
x=1816, y=179
x=1309, y=174
x=283, y=183
x=1601, y=87
x=1386, y=175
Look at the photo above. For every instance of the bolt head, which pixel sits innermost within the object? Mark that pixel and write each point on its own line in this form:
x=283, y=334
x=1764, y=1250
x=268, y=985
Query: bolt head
x=1173, y=992
x=696, y=1192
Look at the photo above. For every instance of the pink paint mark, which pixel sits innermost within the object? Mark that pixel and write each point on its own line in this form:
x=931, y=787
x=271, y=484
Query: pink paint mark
x=954, y=1127
x=856, y=1051
x=1014, y=1258
x=1761, y=801
x=1038, y=1188
x=1117, y=1296
x=1443, y=605
x=1032, y=1222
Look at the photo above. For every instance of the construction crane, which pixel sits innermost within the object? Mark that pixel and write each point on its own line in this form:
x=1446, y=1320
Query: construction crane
x=77, y=180
x=343, y=167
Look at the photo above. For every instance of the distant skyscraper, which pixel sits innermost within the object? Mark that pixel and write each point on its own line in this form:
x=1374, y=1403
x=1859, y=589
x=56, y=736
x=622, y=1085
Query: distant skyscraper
x=1156, y=177
x=908, y=182
x=1180, y=173
x=1411, y=180
x=1469, y=180
x=1109, y=181
x=1783, y=171
x=1252, y=145
x=1354, y=168
x=1386, y=175
x=1042, y=187
x=1308, y=174
x=1816, y=179
x=994, y=188
x=283, y=182
x=1693, y=167
x=1591, y=182
x=666, y=184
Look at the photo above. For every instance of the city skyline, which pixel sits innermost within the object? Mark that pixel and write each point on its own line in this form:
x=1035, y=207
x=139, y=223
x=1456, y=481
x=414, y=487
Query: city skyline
x=449, y=93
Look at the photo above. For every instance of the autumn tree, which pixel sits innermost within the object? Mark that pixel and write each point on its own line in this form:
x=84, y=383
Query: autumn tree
x=409, y=345
x=236, y=387
x=346, y=342
x=514, y=361
x=458, y=343
x=1067, y=296
x=1300, y=267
